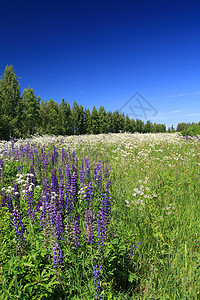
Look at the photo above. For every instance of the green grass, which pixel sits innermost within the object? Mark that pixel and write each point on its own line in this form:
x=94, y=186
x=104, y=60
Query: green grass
x=155, y=194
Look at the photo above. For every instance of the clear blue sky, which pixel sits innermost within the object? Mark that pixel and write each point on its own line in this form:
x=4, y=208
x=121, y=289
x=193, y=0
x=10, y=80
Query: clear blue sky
x=102, y=52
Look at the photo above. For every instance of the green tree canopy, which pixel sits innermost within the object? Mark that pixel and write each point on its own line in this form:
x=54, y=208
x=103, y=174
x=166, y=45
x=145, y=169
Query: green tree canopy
x=10, y=103
x=31, y=107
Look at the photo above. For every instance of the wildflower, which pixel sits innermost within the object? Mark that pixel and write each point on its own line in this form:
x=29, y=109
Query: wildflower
x=101, y=232
x=74, y=185
x=132, y=250
x=97, y=279
x=19, y=229
x=16, y=196
x=89, y=227
x=59, y=226
x=81, y=172
x=57, y=257
x=76, y=229
x=87, y=165
x=54, y=181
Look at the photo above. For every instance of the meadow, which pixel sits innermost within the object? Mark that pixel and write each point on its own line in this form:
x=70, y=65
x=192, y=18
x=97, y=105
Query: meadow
x=108, y=216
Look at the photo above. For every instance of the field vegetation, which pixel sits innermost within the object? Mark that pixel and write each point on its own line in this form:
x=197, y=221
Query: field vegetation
x=108, y=216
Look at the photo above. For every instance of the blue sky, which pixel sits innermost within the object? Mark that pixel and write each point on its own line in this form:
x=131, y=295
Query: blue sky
x=103, y=52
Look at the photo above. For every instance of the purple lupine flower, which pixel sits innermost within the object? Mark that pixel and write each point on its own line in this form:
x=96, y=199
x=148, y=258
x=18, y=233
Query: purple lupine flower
x=98, y=176
x=51, y=211
x=61, y=201
x=68, y=199
x=74, y=186
x=73, y=156
x=74, y=169
x=32, y=171
x=54, y=181
x=89, y=194
x=46, y=189
x=61, y=177
x=68, y=229
x=19, y=228
x=87, y=166
x=9, y=203
x=87, y=198
x=42, y=216
x=101, y=232
x=45, y=222
x=68, y=175
x=17, y=153
x=132, y=250
x=3, y=199
x=19, y=168
x=57, y=257
x=76, y=229
x=30, y=154
x=16, y=196
x=89, y=227
x=97, y=279
x=54, y=155
x=52, y=159
x=59, y=226
x=29, y=198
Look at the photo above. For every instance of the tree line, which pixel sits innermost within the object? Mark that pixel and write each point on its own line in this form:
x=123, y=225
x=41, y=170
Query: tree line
x=24, y=114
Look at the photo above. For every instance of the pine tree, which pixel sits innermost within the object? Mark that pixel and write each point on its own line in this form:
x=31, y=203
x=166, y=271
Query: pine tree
x=53, y=117
x=64, y=112
x=10, y=103
x=102, y=120
x=75, y=118
x=43, y=117
x=31, y=106
x=87, y=121
x=81, y=120
x=128, y=125
x=94, y=121
x=148, y=127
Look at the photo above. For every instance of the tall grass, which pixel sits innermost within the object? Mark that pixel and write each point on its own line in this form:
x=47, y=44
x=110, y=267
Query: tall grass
x=155, y=196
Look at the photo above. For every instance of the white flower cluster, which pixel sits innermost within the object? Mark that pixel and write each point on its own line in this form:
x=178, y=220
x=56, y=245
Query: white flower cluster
x=169, y=208
x=141, y=194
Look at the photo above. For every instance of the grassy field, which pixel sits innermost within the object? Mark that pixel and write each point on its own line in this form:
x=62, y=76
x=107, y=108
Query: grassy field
x=131, y=230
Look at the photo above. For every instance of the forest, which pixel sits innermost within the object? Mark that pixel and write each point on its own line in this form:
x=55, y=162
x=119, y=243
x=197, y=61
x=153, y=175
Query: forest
x=23, y=114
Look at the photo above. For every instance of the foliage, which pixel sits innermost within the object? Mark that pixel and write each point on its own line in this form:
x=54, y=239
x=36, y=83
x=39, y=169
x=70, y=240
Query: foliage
x=25, y=115
x=192, y=130
x=154, y=195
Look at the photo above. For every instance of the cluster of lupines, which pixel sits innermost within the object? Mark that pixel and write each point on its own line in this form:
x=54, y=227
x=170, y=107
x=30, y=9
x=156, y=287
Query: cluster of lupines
x=16, y=196
x=57, y=257
x=97, y=279
x=58, y=209
x=19, y=228
x=98, y=175
x=30, y=198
